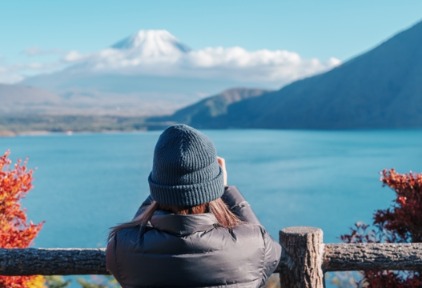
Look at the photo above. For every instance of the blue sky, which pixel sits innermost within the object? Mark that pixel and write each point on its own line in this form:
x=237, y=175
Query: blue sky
x=313, y=29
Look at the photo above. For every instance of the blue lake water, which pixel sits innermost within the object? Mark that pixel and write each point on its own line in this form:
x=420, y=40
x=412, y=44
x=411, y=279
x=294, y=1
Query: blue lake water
x=86, y=183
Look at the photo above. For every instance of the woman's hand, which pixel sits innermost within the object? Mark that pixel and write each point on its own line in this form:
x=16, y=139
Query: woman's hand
x=222, y=164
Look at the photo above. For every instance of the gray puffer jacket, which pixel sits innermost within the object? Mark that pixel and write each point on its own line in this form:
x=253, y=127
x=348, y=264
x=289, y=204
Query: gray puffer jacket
x=194, y=251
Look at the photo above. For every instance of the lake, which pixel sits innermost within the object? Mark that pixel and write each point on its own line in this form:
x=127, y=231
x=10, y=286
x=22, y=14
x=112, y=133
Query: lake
x=86, y=183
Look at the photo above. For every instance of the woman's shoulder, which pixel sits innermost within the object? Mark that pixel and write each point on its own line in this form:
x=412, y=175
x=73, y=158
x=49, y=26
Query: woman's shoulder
x=251, y=227
x=245, y=232
x=129, y=234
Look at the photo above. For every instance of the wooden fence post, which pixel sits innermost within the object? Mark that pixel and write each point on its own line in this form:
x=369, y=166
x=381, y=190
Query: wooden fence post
x=302, y=258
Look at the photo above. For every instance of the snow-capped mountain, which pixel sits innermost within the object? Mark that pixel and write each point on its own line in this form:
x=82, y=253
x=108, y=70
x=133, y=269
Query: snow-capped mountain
x=152, y=43
x=148, y=52
x=152, y=72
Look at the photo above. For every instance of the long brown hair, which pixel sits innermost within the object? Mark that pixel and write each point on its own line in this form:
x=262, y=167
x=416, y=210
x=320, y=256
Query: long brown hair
x=222, y=213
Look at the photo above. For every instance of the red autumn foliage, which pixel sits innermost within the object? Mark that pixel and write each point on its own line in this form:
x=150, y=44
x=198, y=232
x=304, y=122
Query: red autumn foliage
x=15, y=231
x=400, y=223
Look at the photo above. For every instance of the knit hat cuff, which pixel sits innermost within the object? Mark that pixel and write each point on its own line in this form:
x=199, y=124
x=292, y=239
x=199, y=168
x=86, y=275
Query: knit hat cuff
x=188, y=195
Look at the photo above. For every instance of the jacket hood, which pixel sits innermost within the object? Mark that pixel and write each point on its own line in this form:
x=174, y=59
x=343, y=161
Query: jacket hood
x=183, y=224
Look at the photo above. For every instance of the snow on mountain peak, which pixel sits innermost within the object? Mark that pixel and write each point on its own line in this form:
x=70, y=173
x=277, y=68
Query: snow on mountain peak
x=158, y=52
x=152, y=43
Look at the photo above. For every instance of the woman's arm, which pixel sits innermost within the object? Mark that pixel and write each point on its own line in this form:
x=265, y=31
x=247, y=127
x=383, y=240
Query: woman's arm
x=111, y=261
x=272, y=254
x=239, y=206
x=235, y=200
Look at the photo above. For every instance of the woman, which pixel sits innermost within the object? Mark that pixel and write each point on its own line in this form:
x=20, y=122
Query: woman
x=193, y=230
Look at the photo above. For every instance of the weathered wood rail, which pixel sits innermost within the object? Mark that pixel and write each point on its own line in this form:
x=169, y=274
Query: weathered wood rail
x=303, y=263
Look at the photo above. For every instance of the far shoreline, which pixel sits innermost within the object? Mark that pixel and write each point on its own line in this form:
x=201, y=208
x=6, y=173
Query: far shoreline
x=10, y=134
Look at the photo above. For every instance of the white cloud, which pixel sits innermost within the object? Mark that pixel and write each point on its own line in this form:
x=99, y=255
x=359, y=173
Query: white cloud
x=40, y=61
x=239, y=57
x=271, y=68
x=36, y=52
x=277, y=66
x=274, y=68
x=334, y=61
x=73, y=56
x=11, y=74
x=8, y=77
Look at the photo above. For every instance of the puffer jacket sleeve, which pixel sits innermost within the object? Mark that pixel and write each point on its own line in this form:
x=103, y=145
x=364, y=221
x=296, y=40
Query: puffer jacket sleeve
x=111, y=261
x=272, y=255
x=239, y=206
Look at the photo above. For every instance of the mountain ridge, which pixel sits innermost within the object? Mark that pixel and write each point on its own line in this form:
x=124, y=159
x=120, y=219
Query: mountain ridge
x=204, y=113
x=381, y=88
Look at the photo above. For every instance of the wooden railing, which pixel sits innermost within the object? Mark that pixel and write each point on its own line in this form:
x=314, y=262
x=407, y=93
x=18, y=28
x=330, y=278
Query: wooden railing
x=304, y=260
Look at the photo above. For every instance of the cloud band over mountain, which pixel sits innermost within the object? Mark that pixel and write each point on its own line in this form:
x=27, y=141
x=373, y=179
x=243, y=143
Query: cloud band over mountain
x=157, y=52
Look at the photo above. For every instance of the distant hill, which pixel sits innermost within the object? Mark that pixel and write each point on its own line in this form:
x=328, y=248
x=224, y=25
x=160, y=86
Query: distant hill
x=119, y=94
x=26, y=99
x=210, y=112
x=378, y=89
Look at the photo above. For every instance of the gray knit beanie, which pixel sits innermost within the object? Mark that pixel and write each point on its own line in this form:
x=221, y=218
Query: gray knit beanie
x=185, y=170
